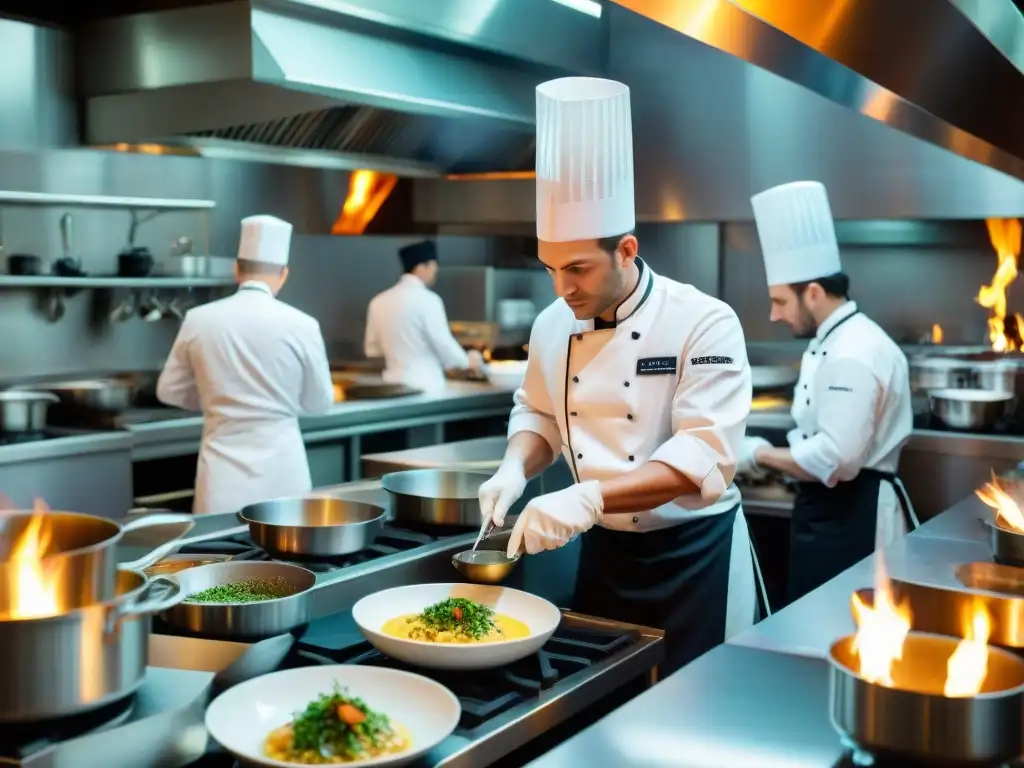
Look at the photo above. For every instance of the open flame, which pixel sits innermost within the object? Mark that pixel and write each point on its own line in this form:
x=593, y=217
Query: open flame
x=881, y=629
x=936, y=333
x=1007, y=510
x=968, y=666
x=1005, y=236
x=34, y=592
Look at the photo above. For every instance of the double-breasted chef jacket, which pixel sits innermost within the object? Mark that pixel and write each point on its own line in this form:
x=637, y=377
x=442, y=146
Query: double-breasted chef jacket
x=251, y=364
x=408, y=327
x=853, y=414
x=669, y=381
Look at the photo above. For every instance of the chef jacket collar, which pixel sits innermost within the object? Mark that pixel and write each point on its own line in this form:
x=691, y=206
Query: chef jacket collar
x=410, y=279
x=636, y=298
x=256, y=285
x=838, y=315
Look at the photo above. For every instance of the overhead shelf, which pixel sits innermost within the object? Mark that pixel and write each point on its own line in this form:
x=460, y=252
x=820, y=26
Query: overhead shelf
x=152, y=283
x=9, y=197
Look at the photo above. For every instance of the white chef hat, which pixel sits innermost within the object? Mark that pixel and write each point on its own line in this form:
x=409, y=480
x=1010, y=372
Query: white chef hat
x=584, y=160
x=797, y=234
x=265, y=238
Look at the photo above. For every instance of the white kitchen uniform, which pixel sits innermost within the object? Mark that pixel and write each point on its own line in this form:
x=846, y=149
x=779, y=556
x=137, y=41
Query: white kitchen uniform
x=251, y=364
x=408, y=327
x=671, y=383
x=851, y=404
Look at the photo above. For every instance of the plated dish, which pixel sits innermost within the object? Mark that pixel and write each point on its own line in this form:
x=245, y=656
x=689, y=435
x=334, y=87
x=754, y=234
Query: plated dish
x=456, y=626
x=338, y=715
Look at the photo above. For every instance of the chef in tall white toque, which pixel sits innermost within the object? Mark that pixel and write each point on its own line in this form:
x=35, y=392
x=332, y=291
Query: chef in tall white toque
x=851, y=404
x=642, y=384
x=251, y=364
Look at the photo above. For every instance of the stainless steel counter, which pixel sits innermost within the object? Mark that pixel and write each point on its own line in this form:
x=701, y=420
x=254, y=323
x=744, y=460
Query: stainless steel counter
x=458, y=401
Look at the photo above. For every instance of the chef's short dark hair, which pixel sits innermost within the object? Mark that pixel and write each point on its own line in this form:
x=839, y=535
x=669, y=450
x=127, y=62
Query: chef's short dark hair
x=253, y=267
x=610, y=244
x=837, y=285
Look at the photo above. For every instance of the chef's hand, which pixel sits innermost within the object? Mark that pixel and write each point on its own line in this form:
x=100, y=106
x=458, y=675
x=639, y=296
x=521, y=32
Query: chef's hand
x=502, y=491
x=476, y=360
x=552, y=520
x=747, y=464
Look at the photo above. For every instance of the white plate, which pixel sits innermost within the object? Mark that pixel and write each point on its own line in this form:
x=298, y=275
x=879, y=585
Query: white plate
x=241, y=718
x=541, y=616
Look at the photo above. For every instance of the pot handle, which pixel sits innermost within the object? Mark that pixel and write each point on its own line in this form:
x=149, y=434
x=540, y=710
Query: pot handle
x=169, y=597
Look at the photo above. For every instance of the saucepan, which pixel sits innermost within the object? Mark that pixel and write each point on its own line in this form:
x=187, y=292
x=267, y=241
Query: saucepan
x=23, y=411
x=313, y=526
x=434, y=497
x=1007, y=544
x=83, y=659
x=242, y=599
x=373, y=611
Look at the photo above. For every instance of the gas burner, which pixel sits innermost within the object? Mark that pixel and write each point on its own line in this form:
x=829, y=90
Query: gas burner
x=391, y=541
x=19, y=741
x=485, y=694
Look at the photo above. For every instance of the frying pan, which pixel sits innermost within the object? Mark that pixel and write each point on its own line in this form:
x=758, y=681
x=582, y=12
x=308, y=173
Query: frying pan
x=313, y=526
x=371, y=613
x=435, y=497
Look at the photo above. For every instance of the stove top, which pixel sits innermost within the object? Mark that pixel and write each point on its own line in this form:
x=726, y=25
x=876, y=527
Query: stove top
x=19, y=438
x=506, y=712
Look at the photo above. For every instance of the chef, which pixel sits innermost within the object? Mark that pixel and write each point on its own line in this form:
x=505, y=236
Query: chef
x=408, y=327
x=251, y=364
x=642, y=384
x=851, y=404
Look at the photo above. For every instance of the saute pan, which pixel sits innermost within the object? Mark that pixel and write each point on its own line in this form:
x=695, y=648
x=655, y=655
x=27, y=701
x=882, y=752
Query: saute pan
x=314, y=526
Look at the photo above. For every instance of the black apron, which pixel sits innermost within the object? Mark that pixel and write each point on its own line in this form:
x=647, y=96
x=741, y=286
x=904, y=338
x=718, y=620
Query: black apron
x=833, y=529
x=675, y=579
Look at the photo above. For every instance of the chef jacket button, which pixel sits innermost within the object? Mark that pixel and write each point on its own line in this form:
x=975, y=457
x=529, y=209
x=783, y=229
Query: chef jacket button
x=631, y=458
x=805, y=386
x=629, y=416
x=636, y=334
x=572, y=413
x=808, y=401
x=579, y=455
x=814, y=353
x=579, y=337
x=803, y=436
x=575, y=379
x=636, y=519
x=626, y=383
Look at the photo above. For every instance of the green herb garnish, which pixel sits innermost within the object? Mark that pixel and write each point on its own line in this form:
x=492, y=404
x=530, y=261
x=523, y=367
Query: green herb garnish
x=340, y=725
x=247, y=591
x=458, y=614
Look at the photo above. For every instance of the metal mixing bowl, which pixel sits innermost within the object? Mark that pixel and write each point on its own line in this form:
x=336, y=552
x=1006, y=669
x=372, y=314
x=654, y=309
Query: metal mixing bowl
x=484, y=566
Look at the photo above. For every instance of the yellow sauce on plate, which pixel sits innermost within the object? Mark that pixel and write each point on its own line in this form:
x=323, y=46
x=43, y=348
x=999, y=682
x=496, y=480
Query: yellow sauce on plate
x=278, y=746
x=409, y=627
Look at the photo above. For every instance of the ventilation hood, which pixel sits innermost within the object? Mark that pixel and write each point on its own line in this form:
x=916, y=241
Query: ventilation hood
x=902, y=108
x=407, y=87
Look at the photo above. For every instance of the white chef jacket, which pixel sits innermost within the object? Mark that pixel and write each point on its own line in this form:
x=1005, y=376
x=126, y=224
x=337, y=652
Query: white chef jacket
x=852, y=407
x=252, y=364
x=408, y=327
x=670, y=382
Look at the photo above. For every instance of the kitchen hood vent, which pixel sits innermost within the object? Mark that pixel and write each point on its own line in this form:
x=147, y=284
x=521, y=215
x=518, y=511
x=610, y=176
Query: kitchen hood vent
x=339, y=84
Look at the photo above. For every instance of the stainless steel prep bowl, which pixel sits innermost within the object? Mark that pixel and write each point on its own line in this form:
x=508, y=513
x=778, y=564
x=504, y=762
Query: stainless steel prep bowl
x=435, y=497
x=242, y=620
x=24, y=411
x=484, y=566
x=314, y=526
x=969, y=409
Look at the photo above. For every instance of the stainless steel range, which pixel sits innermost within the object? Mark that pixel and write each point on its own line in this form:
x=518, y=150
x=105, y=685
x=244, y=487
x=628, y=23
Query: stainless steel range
x=509, y=715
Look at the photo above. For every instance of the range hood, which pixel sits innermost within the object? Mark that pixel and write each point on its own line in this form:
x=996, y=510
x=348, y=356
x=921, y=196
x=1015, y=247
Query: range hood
x=905, y=109
x=400, y=86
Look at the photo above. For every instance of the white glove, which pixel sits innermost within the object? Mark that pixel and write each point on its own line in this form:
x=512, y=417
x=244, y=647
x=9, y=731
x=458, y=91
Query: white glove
x=501, y=492
x=552, y=520
x=476, y=360
x=746, y=464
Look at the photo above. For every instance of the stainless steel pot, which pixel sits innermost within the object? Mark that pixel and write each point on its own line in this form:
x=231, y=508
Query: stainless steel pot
x=82, y=660
x=104, y=395
x=435, y=497
x=313, y=527
x=927, y=373
x=968, y=409
x=914, y=720
x=24, y=411
x=242, y=620
x=1007, y=544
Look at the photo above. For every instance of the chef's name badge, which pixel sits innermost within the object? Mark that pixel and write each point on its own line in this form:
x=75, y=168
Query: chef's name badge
x=653, y=366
